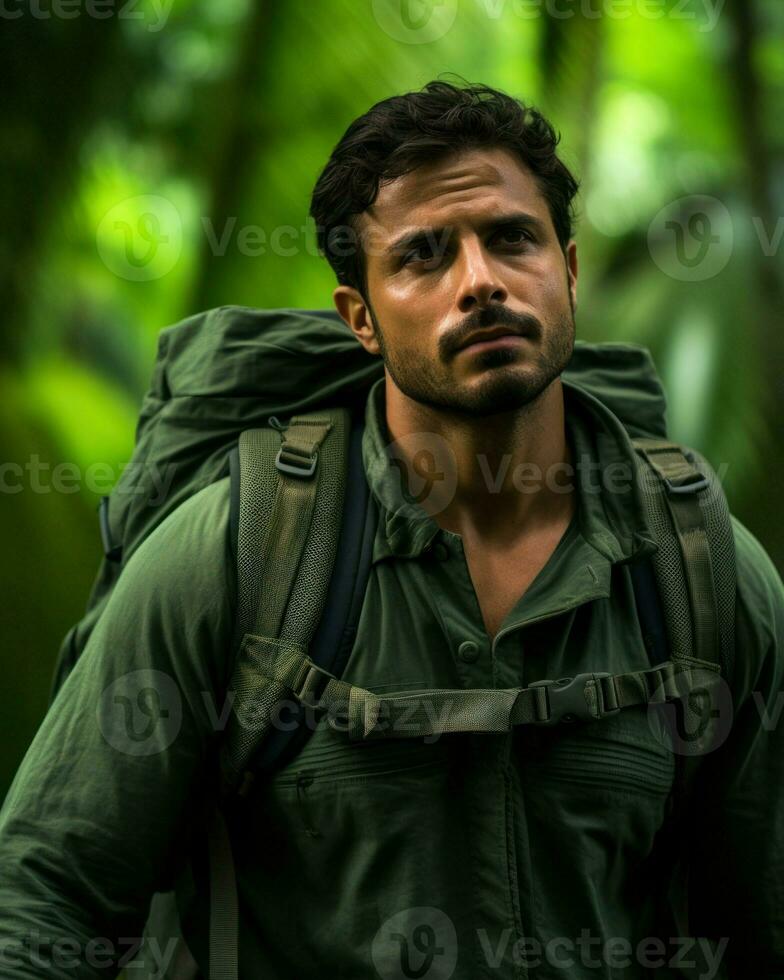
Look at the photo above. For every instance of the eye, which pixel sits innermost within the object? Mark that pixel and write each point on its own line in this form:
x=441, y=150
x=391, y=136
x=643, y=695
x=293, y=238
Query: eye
x=516, y=235
x=423, y=255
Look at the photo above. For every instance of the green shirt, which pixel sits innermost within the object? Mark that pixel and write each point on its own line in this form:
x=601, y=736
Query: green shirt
x=538, y=853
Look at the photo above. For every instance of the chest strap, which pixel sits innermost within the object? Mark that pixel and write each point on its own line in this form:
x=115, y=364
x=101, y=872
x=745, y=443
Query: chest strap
x=364, y=715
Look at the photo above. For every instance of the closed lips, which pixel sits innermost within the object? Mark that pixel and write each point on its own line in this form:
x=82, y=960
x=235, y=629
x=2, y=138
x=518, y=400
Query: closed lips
x=483, y=338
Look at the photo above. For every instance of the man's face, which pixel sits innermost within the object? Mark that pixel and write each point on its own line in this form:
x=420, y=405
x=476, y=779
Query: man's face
x=458, y=247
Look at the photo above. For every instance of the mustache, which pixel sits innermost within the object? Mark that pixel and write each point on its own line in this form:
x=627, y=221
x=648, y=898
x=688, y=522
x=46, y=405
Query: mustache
x=492, y=316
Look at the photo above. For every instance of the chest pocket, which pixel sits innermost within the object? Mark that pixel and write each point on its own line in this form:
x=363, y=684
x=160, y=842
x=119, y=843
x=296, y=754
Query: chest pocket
x=375, y=822
x=332, y=781
x=624, y=754
x=367, y=830
x=597, y=799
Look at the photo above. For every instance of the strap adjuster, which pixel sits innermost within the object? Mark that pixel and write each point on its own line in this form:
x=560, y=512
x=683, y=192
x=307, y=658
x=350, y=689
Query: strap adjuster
x=696, y=480
x=694, y=487
x=312, y=685
x=567, y=699
x=294, y=464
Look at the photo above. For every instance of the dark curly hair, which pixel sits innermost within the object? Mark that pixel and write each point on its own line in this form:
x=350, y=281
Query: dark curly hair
x=403, y=132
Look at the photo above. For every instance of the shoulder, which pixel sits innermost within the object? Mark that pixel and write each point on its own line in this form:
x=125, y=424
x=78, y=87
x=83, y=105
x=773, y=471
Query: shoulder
x=760, y=588
x=177, y=591
x=193, y=539
x=759, y=614
x=168, y=623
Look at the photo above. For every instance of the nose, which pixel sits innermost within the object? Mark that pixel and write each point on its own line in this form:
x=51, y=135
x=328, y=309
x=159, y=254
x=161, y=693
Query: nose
x=479, y=283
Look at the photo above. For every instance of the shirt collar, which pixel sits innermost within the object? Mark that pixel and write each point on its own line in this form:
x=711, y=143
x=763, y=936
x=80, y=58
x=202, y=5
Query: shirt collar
x=611, y=516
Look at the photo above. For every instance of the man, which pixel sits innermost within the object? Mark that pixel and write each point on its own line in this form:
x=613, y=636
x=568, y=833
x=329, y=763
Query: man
x=446, y=216
x=473, y=284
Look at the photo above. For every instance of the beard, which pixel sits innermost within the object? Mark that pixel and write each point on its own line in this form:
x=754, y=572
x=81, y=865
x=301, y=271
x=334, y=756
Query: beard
x=513, y=380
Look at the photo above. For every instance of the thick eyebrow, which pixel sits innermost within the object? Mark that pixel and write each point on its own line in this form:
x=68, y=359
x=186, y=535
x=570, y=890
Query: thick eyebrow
x=418, y=236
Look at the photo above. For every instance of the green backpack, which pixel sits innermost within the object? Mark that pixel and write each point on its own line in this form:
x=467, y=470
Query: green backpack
x=221, y=383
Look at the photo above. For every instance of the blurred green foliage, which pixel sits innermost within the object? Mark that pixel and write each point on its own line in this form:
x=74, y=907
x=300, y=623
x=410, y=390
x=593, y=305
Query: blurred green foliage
x=224, y=113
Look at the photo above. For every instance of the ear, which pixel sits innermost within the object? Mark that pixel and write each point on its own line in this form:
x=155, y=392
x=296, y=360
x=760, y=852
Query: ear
x=571, y=270
x=354, y=311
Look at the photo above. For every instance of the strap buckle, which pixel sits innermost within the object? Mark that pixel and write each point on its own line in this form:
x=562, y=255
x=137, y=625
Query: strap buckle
x=294, y=464
x=694, y=487
x=697, y=480
x=567, y=699
x=311, y=685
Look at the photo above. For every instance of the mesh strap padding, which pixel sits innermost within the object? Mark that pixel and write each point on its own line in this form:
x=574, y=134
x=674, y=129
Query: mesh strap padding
x=695, y=561
x=695, y=570
x=287, y=524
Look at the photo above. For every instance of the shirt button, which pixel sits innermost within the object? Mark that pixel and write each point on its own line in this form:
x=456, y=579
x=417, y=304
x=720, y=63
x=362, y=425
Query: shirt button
x=441, y=551
x=468, y=651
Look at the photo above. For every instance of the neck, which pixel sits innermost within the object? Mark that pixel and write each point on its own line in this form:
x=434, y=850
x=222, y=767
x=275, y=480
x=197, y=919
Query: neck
x=493, y=479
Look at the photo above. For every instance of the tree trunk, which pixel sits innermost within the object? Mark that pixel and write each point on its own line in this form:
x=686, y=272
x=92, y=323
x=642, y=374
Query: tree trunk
x=762, y=511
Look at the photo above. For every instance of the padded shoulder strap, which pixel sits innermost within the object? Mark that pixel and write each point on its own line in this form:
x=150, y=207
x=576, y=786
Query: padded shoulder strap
x=695, y=575
x=695, y=564
x=280, y=479
x=291, y=484
x=334, y=637
x=288, y=485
